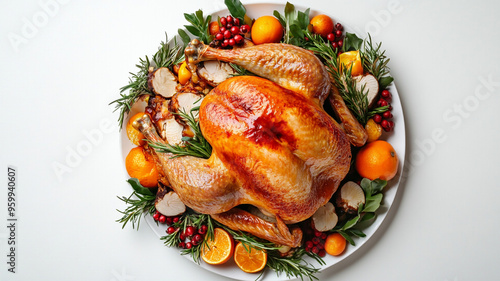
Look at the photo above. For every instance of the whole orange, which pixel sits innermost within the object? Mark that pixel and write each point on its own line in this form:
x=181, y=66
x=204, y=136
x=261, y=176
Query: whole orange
x=377, y=160
x=213, y=28
x=133, y=134
x=141, y=165
x=322, y=25
x=266, y=29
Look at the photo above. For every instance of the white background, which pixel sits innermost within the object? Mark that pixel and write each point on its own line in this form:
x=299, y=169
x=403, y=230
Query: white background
x=57, y=81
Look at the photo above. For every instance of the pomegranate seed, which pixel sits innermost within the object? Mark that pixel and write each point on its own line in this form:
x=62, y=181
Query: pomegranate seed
x=236, y=21
x=231, y=42
x=189, y=245
x=339, y=26
x=162, y=219
x=156, y=216
x=338, y=33
x=387, y=115
x=170, y=230
x=229, y=19
x=386, y=94
x=245, y=28
x=330, y=37
x=223, y=22
x=377, y=118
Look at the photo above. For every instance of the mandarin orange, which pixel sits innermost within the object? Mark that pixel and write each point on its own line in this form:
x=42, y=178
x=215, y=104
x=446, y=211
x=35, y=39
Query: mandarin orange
x=335, y=244
x=322, y=25
x=266, y=29
x=140, y=165
x=377, y=160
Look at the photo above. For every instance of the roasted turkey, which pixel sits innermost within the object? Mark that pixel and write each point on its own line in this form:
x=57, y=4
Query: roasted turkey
x=274, y=146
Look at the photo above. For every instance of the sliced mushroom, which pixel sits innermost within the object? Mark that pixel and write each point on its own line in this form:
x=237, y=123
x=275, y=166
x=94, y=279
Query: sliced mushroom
x=325, y=218
x=184, y=102
x=349, y=197
x=168, y=203
x=370, y=84
x=162, y=82
x=215, y=72
x=171, y=131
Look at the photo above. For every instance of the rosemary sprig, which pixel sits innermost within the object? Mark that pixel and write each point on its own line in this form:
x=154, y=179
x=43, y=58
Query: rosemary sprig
x=376, y=62
x=294, y=266
x=196, y=146
x=144, y=204
x=166, y=56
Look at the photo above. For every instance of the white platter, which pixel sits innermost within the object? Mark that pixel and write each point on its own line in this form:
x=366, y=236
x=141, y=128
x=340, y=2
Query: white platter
x=397, y=138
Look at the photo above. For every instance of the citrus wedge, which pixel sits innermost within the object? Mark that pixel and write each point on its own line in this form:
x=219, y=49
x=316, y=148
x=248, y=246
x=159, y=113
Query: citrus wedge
x=251, y=261
x=220, y=249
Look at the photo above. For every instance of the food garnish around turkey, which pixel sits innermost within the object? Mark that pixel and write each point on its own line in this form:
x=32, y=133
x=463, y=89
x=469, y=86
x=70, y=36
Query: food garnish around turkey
x=253, y=131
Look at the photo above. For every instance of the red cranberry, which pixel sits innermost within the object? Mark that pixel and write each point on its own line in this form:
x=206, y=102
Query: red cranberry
x=377, y=118
x=387, y=115
x=322, y=253
x=330, y=37
x=238, y=39
x=223, y=22
x=338, y=33
x=391, y=124
x=339, y=26
x=340, y=43
x=182, y=245
x=235, y=30
x=197, y=239
x=222, y=30
x=162, y=219
x=309, y=244
x=335, y=45
x=219, y=36
x=315, y=250
x=386, y=94
x=156, y=216
x=169, y=220
x=236, y=21
x=385, y=124
x=231, y=42
x=170, y=230
x=227, y=34
x=189, y=245
x=182, y=236
x=175, y=220
x=382, y=102
x=317, y=233
x=230, y=19
x=316, y=240
x=323, y=236
x=190, y=230
x=203, y=229
x=245, y=28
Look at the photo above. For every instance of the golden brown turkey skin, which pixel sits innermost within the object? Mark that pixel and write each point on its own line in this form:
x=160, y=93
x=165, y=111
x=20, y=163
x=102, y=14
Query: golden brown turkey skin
x=286, y=153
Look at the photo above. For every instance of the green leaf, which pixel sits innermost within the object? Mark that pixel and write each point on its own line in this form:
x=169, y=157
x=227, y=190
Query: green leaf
x=347, y=237
x=366, y=185
x=279, y=17
x=368, y=216
x=385, y=81
x=373, y=203
x=184, y=36
x=303, y=18
x=378, y=185
x=137, y=186
x=289, y=11
x=193, y=30
x=236, y=8
x=357, y=233
x=351, y=223
x=352, y=42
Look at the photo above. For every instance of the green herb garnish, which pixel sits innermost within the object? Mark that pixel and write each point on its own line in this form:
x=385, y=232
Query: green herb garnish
x=144, y=204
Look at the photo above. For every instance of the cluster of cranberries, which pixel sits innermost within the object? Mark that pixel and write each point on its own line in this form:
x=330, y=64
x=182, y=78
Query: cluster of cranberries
x=315, y=241
x=190, y=237
x=231, y=32
x=336, y=36
x=384, y=119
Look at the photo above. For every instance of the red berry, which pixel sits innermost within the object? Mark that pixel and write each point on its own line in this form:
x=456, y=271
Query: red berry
x=231, y=42
x=340, y=43
x=236, y=21
x=235, y=30
x=219, y=36
x=190, y=230
x=225, y=43
x=229, y=19
x=335, y=45
x=156, y=216
x=170, y=230
x=227, y=34
x=386, y=94
x=245, y=28
x=162, y=219
x=316, y=240
x=338, y=33
x=229, y=25
x=169, y=220
x=339, y=26
x=222, y=30
x=197, y=239
x=322, y=253
x=203, y=229
x=385, y=124
x=387, y=115
x=223, y=22
x=315, y=250
x=238, y=39
x=182, y=236
x=382, y=102
x=189, y=245
x=182, y=245
x=309, y=244
x=323, y=236
x=377, y=118
x=330, y=37
x=391, y=124
x=175, y=219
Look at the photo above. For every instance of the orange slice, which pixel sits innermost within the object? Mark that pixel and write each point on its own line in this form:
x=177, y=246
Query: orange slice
x=220, y=249
x=249, y=261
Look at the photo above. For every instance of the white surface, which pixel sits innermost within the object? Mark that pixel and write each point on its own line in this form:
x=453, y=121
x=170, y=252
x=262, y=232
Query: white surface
x=55, y=93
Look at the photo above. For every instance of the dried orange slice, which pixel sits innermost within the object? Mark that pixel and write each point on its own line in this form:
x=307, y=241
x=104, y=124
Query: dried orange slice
x=251, y=260
x=220, y=249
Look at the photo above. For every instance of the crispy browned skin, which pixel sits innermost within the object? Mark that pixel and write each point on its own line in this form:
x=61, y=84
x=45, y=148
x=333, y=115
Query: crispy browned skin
x=274, y=146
